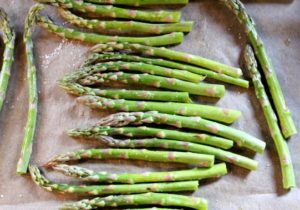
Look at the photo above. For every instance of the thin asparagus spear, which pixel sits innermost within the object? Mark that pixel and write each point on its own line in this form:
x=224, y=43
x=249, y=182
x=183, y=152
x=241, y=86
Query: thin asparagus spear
x=32, y=89
x=138, y=3
x=40, y=180
x=184, y=146
x=144, y=68
x=133, y=178
x=117, y=66
x=97, y=132
x=167, y=39
x=96, y=57
x=77, y=89
x=204, y=89
x=288, y=177
x=126, y=26
x=171, y=55
x=285, y=117
x=8, y=55
x=205, y=111
x=241, y=138
x=116, y=12
x=136, y=154
x=161, y=199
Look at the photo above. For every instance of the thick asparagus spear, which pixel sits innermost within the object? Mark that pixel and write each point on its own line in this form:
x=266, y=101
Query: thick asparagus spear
x=287, y=125
x=77, y=89
x=204, y=89
x=96, y=57
x=136, y=154
x=168, y=39
x=97, y=132
x=40, y=180
x=184, y=146
x=132, y=178
x=160, y=199
x=138, y=3
x=205, y=111
x=127, y=27
x=143, y=68
x=241, y=138
x=171, y=55
x=116, y=12
x=8, y=55
x=288, y=177
x=32, y=90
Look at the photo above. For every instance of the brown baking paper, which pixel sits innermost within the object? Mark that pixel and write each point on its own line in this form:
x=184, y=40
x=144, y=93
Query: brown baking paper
x=216, y=35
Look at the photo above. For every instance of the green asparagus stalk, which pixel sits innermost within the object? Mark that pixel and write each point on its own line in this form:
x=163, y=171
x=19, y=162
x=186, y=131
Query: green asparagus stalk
x=116, y=12
x=77, y=89
x=96, y=57
x=184, y=146
x=43, y=182
x=203, y=89
x=136, y=154
x=205, y=111
x=241, y=138
x=8, y=55
x=168, y=39
x=117, y=66
x=130, y=27
x=160, y=199
x=32, y=90
x=97, y=132
x=133, y=178
x=138, y=3
x=171, y=55
x=144, y=68
x=288, y=177
x=287, y=125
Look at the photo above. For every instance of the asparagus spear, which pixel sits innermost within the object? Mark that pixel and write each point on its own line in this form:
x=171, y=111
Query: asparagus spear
x=184, y=146
x=160, y=199
x=97, y=132
x=134, y=27
x=96, y=57
x=241, y=138
x=116, y=12
x=138, y=3
x=136, y=154
x=40, y=180
x=204, y=89
x=132, y=66
x=132, y=178
x=8, y=55
x=144, y=68
x=288, y=177
x=168, y=39
x=287, y=125
x=77, y=89
x=205, y=111
x=171, y=55
x=33, y=93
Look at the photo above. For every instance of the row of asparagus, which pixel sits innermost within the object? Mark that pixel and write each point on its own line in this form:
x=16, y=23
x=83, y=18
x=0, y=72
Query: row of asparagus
x=139, y=25
x=105, y=65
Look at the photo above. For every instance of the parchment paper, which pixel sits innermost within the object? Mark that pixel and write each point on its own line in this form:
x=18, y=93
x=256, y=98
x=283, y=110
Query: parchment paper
x=216, y=35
